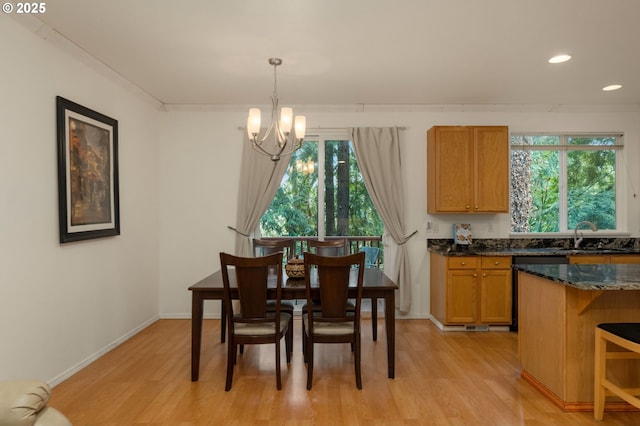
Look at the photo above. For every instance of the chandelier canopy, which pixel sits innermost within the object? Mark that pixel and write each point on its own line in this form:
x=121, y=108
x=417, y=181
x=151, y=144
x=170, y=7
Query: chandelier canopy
x=283, y=141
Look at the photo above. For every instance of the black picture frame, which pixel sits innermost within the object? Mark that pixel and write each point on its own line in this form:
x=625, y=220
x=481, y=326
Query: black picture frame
x=88, y=185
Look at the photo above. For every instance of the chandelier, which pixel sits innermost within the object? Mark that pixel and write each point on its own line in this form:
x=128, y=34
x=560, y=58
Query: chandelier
x=283, y=142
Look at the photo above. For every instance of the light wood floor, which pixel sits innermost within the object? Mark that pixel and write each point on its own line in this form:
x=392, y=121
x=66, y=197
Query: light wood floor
x=455, y=378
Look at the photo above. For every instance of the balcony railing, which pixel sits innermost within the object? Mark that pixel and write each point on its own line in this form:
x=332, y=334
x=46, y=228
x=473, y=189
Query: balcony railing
x=354, y=243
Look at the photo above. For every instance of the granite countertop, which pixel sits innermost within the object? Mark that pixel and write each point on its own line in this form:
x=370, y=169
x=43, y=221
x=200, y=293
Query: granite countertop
x=589, y=277
x=525, y=251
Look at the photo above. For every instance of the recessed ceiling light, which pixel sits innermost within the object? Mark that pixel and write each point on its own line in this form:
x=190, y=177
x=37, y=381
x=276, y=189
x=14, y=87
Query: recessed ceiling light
x=612, y=87
x=559, y=59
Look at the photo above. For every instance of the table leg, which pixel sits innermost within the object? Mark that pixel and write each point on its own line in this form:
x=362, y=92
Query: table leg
x=196, y=334
x=390, y=324
x=374, y=318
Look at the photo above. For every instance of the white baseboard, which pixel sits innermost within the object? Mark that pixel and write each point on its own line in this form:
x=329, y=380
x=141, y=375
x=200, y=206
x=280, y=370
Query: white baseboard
x=82, y=364
x=471, y=327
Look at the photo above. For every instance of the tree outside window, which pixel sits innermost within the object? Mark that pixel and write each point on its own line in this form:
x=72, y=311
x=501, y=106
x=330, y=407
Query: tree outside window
x=298, y=206
x=560, y=180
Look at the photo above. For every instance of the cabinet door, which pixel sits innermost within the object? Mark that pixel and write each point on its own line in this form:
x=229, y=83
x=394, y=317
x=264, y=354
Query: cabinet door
x=624, y=258
x=495, y=296
x=449, y=169
x=461, y=296
x=491, y=180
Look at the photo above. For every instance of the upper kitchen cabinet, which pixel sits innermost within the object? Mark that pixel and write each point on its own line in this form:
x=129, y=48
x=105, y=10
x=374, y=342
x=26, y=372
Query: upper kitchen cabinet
x=468, y=169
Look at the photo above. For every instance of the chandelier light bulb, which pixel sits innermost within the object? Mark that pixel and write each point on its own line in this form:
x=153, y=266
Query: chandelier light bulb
x=286, y=120
x=253, y=122
x=300, y=126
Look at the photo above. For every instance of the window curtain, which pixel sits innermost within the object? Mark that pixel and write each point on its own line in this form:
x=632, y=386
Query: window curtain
x=259, y=181
x=378, y=153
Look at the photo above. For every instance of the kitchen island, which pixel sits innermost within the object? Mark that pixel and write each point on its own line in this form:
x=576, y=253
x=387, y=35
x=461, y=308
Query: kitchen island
x=559, y=307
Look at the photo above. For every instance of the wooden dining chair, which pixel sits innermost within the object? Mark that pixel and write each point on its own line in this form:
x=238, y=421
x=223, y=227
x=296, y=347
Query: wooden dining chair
x=337, y=247
x=625, y=336
x=254, y=323
x=264, y=247
x=334, y=322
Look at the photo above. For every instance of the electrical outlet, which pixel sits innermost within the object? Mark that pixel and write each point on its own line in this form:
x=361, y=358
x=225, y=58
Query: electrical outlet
x=490, y=228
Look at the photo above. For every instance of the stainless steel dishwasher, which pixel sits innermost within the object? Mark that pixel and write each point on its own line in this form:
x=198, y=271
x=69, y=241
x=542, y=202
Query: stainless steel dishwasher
x=530, y=260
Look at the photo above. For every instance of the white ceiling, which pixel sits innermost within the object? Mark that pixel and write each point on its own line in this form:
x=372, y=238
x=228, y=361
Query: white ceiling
x=372, y=52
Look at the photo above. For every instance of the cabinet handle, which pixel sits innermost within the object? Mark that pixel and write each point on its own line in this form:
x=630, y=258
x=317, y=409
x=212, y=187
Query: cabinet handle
x=463, y=263
x=484, y=275
x=497, y=263
x=475, y=275
x=467, y=207
x=477, y=207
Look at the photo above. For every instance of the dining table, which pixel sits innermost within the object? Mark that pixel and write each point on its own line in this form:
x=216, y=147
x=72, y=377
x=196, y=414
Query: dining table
x=376, y=285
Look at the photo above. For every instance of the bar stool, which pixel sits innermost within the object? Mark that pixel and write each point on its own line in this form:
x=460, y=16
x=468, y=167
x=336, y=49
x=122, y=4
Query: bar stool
x=626, y=336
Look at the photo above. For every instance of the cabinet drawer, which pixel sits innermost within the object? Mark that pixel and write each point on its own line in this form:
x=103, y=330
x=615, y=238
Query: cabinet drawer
x=496, y=262
x=464, y=262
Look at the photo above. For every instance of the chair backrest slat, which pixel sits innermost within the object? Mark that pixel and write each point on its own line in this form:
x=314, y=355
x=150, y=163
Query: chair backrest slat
x=336, y=247
x=252, y=291
x=265, y=247
x=334, y=290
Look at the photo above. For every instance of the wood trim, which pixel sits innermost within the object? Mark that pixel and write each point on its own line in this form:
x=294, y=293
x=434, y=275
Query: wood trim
x=573, y=406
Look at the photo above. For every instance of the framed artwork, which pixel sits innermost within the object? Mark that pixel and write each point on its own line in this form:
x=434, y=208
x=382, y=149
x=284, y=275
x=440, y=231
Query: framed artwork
x=87, y=173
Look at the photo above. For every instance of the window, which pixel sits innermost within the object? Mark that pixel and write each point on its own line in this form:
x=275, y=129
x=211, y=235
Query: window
x=558, y=181
x=322, y=194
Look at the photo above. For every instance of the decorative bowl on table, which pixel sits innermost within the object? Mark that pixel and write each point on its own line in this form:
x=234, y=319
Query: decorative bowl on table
x=295, y=267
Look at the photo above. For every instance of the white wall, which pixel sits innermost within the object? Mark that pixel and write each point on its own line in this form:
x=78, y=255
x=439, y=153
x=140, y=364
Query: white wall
x=63, y=305
x=199, y=179
x=199, y=162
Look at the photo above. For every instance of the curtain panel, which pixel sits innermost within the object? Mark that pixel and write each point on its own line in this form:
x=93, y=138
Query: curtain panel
x=259, y=181
x=378, y=154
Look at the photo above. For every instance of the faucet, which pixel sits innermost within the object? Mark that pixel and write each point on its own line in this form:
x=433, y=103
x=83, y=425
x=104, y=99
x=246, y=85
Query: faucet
x=576, y=240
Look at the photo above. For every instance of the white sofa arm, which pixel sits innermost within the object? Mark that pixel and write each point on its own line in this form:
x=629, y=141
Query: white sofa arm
x=24, y=403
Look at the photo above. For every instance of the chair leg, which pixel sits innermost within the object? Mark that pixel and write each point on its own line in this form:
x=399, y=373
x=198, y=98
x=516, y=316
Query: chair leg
x=223, y=322
x=278, y=377
x=309, y=359
x=304, y=342
x=599, y=375
x=288, y=340
x=374, y=318
x=357, y=363
x=231, y=360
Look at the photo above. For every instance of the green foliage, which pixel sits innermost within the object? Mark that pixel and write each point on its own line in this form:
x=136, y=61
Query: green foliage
x=294, y=210
x=590, y=184
x=545, y=191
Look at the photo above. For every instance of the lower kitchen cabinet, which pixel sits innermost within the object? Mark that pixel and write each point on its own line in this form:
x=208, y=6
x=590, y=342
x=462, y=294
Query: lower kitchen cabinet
x=599, y=259
x=470, y=290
